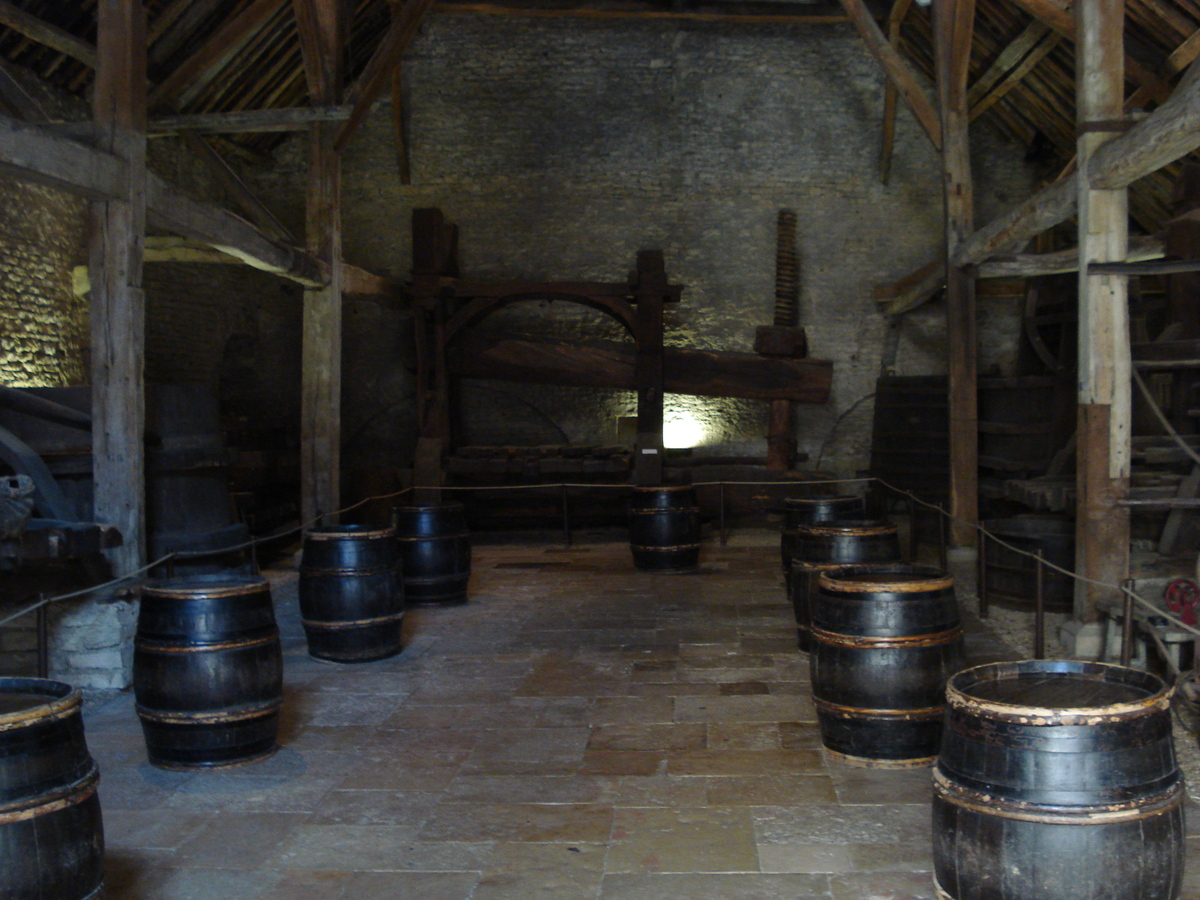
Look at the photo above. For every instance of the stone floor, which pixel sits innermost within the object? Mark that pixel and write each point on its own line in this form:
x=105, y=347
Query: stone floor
x=578, y=730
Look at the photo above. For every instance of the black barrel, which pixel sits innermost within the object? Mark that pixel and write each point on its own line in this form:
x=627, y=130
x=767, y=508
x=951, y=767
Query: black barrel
x=51, y=837
x=434, y=550
x=799, y=511
x=1010, y=570
x=207, y=670
x=664, y=528
x=885, y=640
x=351, y=603
x=1057, y=780
x=824, y=544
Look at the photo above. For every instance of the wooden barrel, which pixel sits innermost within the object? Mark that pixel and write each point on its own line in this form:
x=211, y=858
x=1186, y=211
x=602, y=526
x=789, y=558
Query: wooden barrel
x=1010, y=571
x=434, y=550
x=207, y=670
x=664, y=528
x=814, y=511
x=351, y=603
x=1057, y=780
x=885, y=640
x=51, y=836
x=824, y=544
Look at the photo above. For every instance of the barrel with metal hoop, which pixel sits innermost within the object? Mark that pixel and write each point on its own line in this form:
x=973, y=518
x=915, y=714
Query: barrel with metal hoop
x=664, y=528
x=51, y=835
x=351, y=602
x=799, y=511
x=208, y=671
x=824, y=544
x=1057, y=780
x=885, y=640
x=434, y=550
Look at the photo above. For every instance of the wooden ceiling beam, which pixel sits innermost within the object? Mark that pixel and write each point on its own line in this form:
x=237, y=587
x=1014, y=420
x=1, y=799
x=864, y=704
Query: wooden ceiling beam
x=1011, y=66
x=34, y=154
x=379, y=67
x=890, y=95
x=48, y=35
x=762, y=14
x=897, y=68
x=259, y=121
x=194, y=72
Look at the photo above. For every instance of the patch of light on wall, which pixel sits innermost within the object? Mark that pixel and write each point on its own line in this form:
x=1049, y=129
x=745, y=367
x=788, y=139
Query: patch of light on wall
x=682, y=429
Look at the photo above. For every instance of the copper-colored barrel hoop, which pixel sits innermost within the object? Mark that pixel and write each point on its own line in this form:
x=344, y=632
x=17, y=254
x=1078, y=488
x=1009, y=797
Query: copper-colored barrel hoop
x=662, y=549
x=1037, y=715
x=886, y=643
x=52, y=711
x=354, y=623
x=156, y=647
x=209, y=718
x=805, y=566
x=348, y=535
x=883, y=586
x=852, y=712
x=203, y=593
x=434, y=537
x=835, y=530
x=44, y=804
x=672, y=509
x=374, y=570
x=864, y=762
x=1098, y=814
x=645, y=489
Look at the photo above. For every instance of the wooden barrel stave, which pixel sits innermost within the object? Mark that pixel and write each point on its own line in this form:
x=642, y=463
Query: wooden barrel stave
x=208, y=671
x=799, y=511
x=51, y=832
x=664, y=529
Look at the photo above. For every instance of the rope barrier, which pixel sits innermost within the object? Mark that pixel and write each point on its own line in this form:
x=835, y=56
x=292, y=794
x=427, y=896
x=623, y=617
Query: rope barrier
x=824, y=482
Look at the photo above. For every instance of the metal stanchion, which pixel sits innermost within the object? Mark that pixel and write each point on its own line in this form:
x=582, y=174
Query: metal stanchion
x=981, y=578
x=566, y=516
x=941, y=519
x=1039, y=614
x=43, y=639
x=1127, y=624
x=724, y=533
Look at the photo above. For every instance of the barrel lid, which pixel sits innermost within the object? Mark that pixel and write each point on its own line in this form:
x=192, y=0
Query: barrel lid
x=1057, y=691
x=452, y=506
x=23, y=700
x=341, y=532
x=828, y=498
x=219, y=584
x=890, y=578
x=847, y=527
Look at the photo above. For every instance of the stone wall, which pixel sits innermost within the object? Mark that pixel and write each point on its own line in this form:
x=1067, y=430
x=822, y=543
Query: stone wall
x=562, y=148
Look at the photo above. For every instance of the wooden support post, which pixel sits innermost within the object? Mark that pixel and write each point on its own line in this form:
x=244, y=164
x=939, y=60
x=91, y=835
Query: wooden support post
x=1102, y=524
x=118, y=228
x=651, y=290
x=953, y=22
x=320, y=24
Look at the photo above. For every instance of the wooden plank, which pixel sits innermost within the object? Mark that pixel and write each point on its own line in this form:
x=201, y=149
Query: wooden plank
x=748, y=13
x=612, y=365
x=400, y=126
x=194, y=72
x=898, y=70
x=46, y=34
x=953, y=26
x=379, y=67
x=1102, y=526
x=118, y=227
x=258, y=121
x=1014, y=77
x=1007, y=59
x=34, y=154
x=1030, y=265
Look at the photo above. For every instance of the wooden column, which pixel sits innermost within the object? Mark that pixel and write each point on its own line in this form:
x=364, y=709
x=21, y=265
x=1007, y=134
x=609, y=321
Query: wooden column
x=1102, y=524
x=953, y=22
x=651, y=291
x=116, y=240
x=320, y=26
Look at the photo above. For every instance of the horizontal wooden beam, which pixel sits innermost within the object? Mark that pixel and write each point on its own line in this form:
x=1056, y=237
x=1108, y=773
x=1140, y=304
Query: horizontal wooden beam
x=611, y=365
x=247, y=121
x=1030, y=265
x=747, y=13
x=46, y=34
x=34, y=154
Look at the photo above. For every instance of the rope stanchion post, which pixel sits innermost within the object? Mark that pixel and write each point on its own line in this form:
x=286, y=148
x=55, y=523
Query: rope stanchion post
x=1127, y=624
x=1039, y=612
x=43, y=638
x=724, y=533
x=566, y=518
x=981, y=590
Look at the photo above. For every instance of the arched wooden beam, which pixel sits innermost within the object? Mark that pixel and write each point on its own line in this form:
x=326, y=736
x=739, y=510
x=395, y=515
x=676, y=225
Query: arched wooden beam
x=479, y=308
